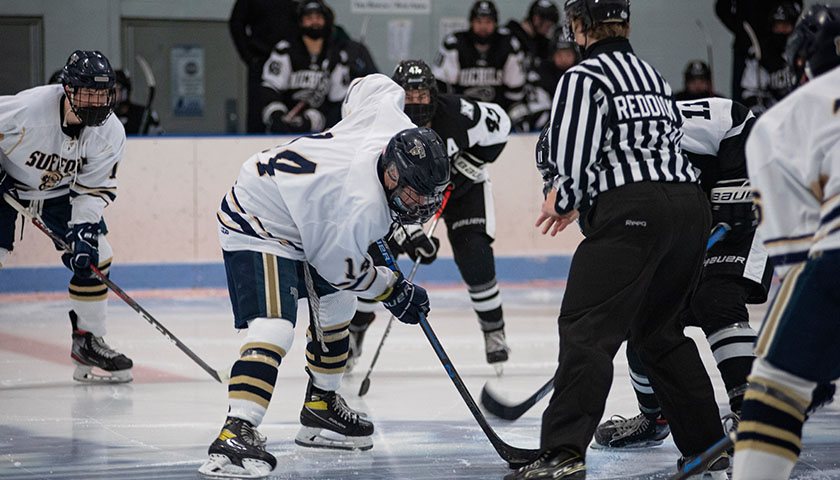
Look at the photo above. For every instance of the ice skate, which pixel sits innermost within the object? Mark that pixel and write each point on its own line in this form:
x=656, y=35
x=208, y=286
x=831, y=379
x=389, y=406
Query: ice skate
x=496, y=349
x=238, y=452
x=552, y=465
x=89, y=351
x=327, y=422
x=715, y=470
x=637, y=432
x=357, y=336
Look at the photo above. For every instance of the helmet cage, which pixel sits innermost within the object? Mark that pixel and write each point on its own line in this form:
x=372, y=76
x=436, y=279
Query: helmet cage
x=416, y=75
x=83, y=102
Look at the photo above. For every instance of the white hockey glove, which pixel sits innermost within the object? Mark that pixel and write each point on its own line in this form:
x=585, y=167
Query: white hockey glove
x=416, y=243
x=469, y=166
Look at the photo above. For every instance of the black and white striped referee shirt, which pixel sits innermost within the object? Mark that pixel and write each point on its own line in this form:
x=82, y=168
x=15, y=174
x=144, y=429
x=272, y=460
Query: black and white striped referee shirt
x=614, y=121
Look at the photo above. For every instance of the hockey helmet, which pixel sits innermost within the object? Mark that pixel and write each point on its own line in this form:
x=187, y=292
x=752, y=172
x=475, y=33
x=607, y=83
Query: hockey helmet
x=417, y=75
x=545, y=9
x=484, y=8
x=593, y=12
x=416, y=163
x=697, y=69
x=86, y=72
x=814, y=46
x=315, y=6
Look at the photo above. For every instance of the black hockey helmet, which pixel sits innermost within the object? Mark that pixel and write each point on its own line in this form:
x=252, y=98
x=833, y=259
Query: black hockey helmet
x=90, y=70
x=697, y=69
x=785, y=11
x=545, y=9
x=593, y=12
x=812, y=48
x=416, y=161
x=123, y=80
x=417, y=75
x=306, y=7
x=484, y=8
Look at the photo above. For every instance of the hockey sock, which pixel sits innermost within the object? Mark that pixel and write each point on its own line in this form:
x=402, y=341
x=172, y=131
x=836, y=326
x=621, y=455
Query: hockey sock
x=648, y=404
x=362, y=319
x=487, y=304
x=327, y=360
x=732, y=347
x=89, y=299
x=770, y=432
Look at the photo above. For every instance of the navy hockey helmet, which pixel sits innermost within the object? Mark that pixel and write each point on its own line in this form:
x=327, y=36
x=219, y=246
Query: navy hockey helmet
x=417, y=75
x=416, y=163
x=484, y=8
x=315, y=6
x=697, y=69
x=86, y=75
x=545, y=9
x=593, y=12
x=814, y=46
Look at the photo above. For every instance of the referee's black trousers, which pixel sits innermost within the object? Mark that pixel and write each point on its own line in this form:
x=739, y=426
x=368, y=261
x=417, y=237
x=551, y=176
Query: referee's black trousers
x=630, y=278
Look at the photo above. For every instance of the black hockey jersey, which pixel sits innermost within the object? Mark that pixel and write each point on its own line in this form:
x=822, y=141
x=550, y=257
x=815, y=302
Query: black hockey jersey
x=495, y=75
x=475, y=133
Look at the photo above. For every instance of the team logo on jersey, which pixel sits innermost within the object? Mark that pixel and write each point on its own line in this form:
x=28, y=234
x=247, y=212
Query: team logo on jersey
x=418, y=150
x=49, y=180
x=467, y=109
x=54, y=166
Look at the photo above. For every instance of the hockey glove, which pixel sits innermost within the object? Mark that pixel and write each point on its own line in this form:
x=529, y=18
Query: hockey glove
x=413, y=241
x=83, y=240
x=732, y=204
x=407, y=301
x=547, y=170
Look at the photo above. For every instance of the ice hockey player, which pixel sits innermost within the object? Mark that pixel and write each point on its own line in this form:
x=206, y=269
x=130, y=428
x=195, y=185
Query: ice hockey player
x=485, y=62
x=305, y=78
x=297, y=224
x=534, y=32
x=132, y=115
x=736, y=271
x=475, y=133
x=793, y=157
x=60, y=151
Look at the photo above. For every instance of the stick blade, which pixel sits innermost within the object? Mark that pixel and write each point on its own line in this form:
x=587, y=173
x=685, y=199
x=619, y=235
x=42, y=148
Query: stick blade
x=519, y=457
x=497, y=406
x=364, y=387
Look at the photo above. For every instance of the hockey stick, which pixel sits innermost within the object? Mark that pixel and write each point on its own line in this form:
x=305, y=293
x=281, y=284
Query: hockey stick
x=757, y=54
x=365, y=386
x=516, y=457
x=219, y=375
x=150, y=82
x=698, y=465
x=708, y=40
x=498, y=407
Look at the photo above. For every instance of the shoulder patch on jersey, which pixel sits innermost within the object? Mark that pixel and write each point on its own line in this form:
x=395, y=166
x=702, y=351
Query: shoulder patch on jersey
x=514, y=42
x=503, y=30
x=282, y=45
x=451, y=41
x=467, y=109
x=451, y=147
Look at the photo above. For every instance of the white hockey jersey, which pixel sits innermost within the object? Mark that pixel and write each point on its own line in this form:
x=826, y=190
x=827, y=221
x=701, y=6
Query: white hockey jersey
x=793, y=157
x=319, y=198
x=47, y=163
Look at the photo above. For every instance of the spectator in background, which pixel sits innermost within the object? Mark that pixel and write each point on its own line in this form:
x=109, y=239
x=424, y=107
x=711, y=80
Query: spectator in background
x=256, y=26
x=733, y=14
x=697, y=82
x=534, y=33
x=483, y=63
x=766, y=77
x=133, y=115
x=305, y=78
x=533, y=113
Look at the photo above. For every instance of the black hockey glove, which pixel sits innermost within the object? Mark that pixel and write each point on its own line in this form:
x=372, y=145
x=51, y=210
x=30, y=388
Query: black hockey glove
x=7, y=185
x=407, y=301
x=83, y=240
x=732, y=204
x=413, y=241
x=547, y=170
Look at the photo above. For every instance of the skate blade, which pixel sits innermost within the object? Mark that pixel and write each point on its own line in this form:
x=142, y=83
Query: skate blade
x=721, y=475
x=632, y=446
x=219, y=466
x=315, y=437
x=85, y=374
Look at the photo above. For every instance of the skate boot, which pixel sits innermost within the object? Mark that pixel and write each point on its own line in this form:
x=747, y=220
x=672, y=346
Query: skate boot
x=357, y=336
x=561, y=464
x=496, y=349
x=327, y=422
x=89, y=351
x=715, y=470
x=639, y=431
x=238, y=452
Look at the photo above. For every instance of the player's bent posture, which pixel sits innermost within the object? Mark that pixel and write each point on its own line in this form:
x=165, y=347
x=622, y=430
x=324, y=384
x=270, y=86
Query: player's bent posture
x=793, y=157
x=60, y=151
x=613, y=140
x=297, y=224
x=475, y=133
x=735, y=272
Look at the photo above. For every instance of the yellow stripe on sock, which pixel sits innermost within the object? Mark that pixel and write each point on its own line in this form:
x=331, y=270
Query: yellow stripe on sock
x=766, y=448
x=256, y=382
x=248, y=396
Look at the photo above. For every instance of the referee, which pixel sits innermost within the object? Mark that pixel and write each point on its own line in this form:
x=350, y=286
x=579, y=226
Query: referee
x=614, y=140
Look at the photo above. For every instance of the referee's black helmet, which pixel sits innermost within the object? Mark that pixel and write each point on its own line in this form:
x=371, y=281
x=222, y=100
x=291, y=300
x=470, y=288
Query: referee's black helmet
x=593, y=12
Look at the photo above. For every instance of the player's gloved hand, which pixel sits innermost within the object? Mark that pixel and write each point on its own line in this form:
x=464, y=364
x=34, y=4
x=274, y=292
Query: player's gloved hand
x=83, y=239
x=547, y=170
x=469, y=166
x=416, y=243
x=732, y=204
x=407, y=301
